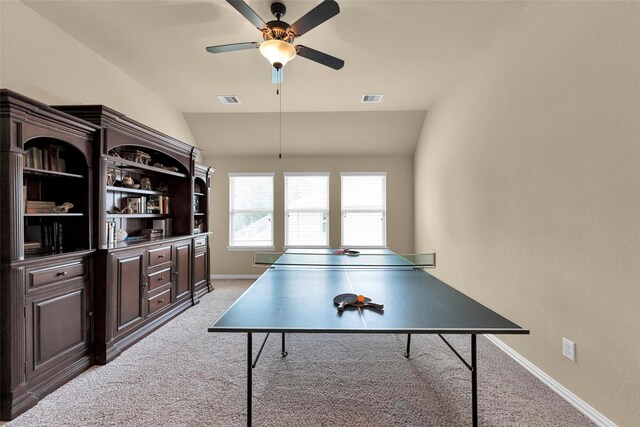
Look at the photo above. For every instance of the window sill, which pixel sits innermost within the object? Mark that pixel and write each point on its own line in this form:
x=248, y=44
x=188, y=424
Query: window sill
x=251, y=248
x=306, y=247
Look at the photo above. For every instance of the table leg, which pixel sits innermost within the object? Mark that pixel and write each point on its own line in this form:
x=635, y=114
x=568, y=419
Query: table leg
x=474, y=381
x=284, y=350
x=249, y=382
x=408, y=346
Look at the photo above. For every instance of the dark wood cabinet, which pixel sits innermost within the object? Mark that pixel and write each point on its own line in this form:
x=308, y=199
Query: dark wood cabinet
x=201, y=253
x=128, y=285
x=46, y=250
x=183, y=269
x=104, y=238
x=57, y=319
x=145, y=287
x=201, y=283
x=145, y=227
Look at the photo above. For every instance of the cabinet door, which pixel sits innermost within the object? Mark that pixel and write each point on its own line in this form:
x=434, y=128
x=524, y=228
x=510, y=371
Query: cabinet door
x=128, y=271
x=183, y=266
x=57, y=326
x=200, y=269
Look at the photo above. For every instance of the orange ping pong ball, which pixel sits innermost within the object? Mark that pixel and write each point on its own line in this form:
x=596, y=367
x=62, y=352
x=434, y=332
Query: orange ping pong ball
x=360, y=298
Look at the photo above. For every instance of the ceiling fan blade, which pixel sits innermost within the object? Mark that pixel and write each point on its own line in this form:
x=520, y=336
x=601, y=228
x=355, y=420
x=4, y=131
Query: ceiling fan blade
x=247, y=12
x=316, y=16
x=320, y=57
x=231, y=47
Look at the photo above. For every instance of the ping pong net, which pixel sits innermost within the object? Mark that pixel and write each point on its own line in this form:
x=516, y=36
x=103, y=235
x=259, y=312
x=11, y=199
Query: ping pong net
x=359, y=260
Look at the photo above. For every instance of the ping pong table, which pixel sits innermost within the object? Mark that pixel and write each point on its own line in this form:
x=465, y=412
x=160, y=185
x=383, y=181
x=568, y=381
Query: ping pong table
x=295, y=295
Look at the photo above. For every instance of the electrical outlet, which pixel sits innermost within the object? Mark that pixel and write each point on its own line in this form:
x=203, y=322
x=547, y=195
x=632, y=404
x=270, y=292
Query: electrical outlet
x=569, y=349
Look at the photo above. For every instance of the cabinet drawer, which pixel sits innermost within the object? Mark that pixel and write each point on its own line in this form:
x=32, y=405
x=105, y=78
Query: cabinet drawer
x=39, y=277
x=201, y=242
x=161, y=300
x=159, y=278
x=159, y=256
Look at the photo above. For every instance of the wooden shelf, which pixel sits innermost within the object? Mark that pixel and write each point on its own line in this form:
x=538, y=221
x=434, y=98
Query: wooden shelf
x=34, y=171
x=53, y=214
x=198, y=194
x=199, y=214
x=135, y=191
x=133, y=166
x=139, y=216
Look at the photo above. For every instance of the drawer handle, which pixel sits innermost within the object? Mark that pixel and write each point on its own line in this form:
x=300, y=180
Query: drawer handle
x=63, y=273
x=160, y=278
x=161, y=256
x=160, y=301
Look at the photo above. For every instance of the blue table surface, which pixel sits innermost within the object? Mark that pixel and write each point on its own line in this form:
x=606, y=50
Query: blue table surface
x=300, y=299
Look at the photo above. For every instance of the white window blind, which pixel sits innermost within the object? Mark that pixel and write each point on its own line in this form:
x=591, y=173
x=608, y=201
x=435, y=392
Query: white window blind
x=250, y=210
x=306, y=205
x=364, y=209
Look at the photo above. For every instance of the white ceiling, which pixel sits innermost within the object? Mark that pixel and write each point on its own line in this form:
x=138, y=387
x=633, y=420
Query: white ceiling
x=410, y=51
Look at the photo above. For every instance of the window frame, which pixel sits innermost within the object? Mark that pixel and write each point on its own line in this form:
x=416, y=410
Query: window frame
x=383, y=211
x=232, y=211
x=286, y=210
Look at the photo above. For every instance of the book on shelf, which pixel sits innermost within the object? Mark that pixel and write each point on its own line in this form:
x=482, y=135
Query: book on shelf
x=158, y=205
x=38, y=206
x=164, y=225
x=110, y=230
x=47, y=158
x=152, y=233
x=32, y=247
x=50, y=237
x=137, y=205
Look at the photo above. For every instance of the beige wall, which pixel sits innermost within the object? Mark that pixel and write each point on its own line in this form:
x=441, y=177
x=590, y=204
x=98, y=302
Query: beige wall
x=399, y=201
x=527, y=184
x=39, y=60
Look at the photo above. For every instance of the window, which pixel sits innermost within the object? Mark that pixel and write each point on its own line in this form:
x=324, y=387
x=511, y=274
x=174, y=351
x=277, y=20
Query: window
x=306, y=209
x=364, y=209
x=251, y=210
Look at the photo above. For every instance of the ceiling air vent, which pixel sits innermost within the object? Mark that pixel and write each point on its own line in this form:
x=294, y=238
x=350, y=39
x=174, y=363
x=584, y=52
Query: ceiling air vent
x=229, y=99
x=374, y=98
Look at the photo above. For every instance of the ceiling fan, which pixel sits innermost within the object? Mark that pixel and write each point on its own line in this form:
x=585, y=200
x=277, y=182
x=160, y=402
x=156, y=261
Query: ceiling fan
x=278, y=35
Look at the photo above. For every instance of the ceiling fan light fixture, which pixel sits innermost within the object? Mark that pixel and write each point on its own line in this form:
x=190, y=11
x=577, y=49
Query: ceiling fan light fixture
x=277, y=52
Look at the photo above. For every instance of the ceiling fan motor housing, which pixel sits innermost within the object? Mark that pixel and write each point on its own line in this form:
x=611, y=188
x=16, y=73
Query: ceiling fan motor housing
x=278, y=9
x=278, y=30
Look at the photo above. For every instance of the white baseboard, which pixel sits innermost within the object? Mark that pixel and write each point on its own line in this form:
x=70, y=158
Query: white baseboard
x=554, y=385
x=234, y=276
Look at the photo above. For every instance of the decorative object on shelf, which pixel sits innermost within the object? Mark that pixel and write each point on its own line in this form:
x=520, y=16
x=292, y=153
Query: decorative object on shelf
x=152, y=233
x=163, y=188
x=136, y=156
x=63, y=208
x=113, y=153
x=171, y=169
x=145, y=184
x=136, y=205
x=111, y=177
x=164, y=225
x=121, y=234
x=128, y=182
x=196, y=188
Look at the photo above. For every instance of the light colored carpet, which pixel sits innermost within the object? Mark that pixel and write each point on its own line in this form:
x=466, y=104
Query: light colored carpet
x=181, y=375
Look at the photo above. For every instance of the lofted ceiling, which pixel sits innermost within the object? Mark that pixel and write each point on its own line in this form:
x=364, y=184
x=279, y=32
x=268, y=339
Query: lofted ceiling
x=410, y=51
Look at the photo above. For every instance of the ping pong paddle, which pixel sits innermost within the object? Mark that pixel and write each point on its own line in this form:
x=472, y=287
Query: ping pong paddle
x=344, y=300
x=345, y=252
